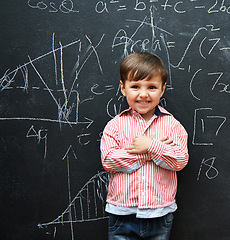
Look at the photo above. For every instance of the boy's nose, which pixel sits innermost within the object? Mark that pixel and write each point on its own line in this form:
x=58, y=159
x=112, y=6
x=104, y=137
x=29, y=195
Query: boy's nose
x=143, y=93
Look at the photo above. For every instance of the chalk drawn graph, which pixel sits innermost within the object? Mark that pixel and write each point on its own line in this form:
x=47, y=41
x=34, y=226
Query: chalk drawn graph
x=87, y=205
x=91, y=196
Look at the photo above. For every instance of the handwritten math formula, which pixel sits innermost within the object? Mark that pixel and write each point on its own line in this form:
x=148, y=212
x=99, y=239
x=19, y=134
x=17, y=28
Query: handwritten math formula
x=73, y=6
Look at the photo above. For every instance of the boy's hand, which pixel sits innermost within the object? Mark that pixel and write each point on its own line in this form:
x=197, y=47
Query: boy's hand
x=141, y=144
x=167, y=140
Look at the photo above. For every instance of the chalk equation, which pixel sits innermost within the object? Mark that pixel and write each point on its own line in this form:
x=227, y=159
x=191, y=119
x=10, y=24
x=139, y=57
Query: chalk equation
x=163, y=41
x=179, y=7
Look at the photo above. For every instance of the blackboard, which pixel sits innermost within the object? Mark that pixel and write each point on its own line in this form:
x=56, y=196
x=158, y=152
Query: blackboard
x=59, y=86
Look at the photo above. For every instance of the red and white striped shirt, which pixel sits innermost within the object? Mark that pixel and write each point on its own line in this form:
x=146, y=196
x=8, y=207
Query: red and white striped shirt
x=141, y=179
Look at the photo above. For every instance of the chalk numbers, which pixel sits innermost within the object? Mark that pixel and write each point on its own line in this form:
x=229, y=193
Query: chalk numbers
x=40, y=135
x=211, y=172
x=66, y=6
x=223, y=8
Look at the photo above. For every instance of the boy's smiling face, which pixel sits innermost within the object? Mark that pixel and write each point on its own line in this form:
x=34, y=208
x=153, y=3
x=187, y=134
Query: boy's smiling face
x=143, y=95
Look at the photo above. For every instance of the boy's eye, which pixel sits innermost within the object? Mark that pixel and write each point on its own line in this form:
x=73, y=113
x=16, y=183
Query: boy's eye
x=152, y=87
x=135, y=86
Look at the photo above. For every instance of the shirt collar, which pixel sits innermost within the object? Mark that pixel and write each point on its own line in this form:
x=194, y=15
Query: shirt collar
x=158, y=111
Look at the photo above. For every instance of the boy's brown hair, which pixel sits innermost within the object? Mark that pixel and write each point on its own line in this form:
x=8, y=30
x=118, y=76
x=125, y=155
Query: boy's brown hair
x=141, y=65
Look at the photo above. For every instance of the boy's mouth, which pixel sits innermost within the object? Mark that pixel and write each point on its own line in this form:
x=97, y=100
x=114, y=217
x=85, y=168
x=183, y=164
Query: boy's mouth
x=143, y=102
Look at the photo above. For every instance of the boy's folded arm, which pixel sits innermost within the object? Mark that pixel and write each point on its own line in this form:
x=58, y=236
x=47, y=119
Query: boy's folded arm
x=117, y=159
x=173, y=157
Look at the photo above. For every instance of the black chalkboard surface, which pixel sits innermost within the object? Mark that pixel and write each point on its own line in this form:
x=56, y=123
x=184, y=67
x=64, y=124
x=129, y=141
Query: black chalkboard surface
x=59, y=86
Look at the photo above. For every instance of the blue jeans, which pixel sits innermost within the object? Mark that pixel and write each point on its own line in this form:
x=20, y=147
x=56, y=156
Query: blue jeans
x=131, y=228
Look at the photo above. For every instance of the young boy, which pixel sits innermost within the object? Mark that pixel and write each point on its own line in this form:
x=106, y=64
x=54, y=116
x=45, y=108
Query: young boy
x=142, y=148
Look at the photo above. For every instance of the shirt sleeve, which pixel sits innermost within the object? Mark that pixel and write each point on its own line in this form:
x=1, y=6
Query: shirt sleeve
x=172, y=157
x=113, y=157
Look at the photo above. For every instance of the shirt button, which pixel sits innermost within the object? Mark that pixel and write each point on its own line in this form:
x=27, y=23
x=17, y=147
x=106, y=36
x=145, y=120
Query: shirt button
x=143, y=178
x=143, y=193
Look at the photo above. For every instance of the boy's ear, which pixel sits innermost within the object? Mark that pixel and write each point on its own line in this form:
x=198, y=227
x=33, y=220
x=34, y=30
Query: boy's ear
x=163, y=89
x=122, y=88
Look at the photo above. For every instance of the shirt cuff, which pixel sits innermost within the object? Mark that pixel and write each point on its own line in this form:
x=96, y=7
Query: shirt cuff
x=128, y=170
x=162, y=164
